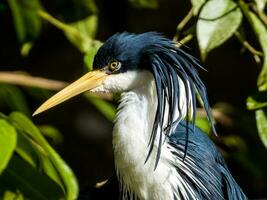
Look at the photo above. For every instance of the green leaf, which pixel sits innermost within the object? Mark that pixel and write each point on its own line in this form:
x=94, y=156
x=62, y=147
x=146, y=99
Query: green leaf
x=52, y=133
x=66, y=174
x=19, y=175
x=218, y=21
x=152, y=4
x=10, y=95
x=26, y=48
x=26, y=21
x=203, y=124
x=106, y=108
x=261, y=33
x=257, y=101
x=260, y=4
x=8, y=141
x=261, y=118
x=197, y=4
x=86, y=27
x=48, y=167
x=90, y=54
x=234, y=141
x=75, y=10
x=24, y=150
x=8, y=195
x=80, y=39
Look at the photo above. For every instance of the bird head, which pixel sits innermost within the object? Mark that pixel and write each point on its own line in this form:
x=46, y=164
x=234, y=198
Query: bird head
x=118, y=66
x=125, y=57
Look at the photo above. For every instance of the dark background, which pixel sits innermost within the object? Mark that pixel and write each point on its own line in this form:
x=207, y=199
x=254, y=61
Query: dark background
x=87, y=147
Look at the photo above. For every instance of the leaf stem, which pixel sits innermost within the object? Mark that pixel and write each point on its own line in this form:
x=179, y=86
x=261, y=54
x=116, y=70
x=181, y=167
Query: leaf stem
x=182, y=24
x=248, y=46
x=184, y=40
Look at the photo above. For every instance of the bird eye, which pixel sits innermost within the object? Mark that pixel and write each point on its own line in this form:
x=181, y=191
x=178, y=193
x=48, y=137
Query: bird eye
x=115, y=65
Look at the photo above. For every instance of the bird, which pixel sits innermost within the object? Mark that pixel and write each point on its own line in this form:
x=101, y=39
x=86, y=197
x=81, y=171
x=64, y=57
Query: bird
x=159, y=152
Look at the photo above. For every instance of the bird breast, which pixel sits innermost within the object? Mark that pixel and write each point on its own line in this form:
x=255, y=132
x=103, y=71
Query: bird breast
x=131, y=133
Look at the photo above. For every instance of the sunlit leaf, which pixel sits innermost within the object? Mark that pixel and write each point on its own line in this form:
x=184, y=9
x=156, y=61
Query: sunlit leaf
x=197, y=4
x=261, y=4
x=26, y=48
x=87, y=28
x=52, y=133
x=10, y=95
x=66, y=174
x=257, y=101
x=203, y=124
x=144, y=3
x=8, y=141
x=261, y=118
x=26, y=21
x=218, y=21
x=90, y=54
x=19, y=175
x=261, y=33
x=8, y=195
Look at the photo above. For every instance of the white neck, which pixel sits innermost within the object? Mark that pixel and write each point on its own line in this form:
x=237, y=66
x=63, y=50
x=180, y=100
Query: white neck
x=131, y=133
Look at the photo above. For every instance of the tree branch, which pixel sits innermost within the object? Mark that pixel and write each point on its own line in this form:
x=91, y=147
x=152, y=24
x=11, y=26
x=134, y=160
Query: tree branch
x=23, y=79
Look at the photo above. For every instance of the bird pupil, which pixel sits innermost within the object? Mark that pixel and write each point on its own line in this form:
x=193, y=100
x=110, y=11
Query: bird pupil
x=113, y=65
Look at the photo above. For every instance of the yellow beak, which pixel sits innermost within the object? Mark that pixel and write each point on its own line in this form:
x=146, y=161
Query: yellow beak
x=87, y=82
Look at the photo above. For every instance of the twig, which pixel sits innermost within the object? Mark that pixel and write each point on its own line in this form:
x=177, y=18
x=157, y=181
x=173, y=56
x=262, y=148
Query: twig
x=60, y=25
x=23, y=79
x=261, y=14
x=249, y=47
x=184, y=40
x=182, y=24
x=19, y=78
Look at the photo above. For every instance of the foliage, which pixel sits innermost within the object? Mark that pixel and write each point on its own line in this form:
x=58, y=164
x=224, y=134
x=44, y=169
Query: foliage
x=29, y=166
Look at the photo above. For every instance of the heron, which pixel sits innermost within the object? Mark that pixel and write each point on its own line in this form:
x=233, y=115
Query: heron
x=159, y=153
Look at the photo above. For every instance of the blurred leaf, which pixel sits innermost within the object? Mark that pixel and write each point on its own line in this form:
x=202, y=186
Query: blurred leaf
x=86, y=27
x=261, y=118
x=203, y=124
x=152, y=4
x=218, y=21
x=13, y=97
x=234, y=141
x=197, y=4
x=26, y=48
x=106, y=108
x=257, y=101
x=261, y=33
x=8, y=141
x=24, y=150
x=75, y=10
x=66, y=174
x=80, y=39
x=8, y=195
x=19, y=175
x=26, y=21
x=260, y=4
x=51, y=132
x=90, y=54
